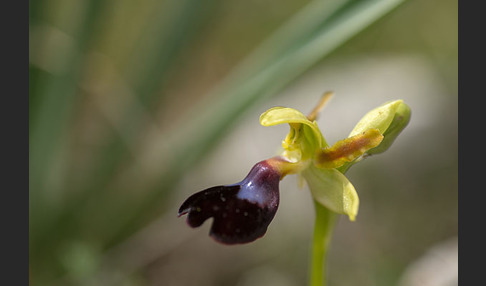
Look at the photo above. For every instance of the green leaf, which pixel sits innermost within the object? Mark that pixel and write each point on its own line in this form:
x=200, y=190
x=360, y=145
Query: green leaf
x=333, y=190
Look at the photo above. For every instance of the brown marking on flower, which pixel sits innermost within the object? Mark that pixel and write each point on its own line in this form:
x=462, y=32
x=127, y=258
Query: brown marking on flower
x=348, y=149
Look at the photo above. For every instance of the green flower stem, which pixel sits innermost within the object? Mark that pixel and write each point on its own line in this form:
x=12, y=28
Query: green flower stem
x=324, y=224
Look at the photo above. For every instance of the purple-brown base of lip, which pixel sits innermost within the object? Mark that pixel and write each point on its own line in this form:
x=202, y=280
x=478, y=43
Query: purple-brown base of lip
x=241, y=212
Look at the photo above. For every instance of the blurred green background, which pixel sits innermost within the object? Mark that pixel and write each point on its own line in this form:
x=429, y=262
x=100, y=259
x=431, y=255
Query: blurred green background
x=135, y=105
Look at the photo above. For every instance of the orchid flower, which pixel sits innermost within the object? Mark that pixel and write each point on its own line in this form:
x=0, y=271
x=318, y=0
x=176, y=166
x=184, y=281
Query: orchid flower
x=243, y=211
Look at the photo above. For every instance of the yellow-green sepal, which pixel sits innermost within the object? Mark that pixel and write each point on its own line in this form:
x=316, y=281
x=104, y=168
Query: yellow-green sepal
x=333, y=190
x=390, y=119
x=399, y=122
x=379, y=118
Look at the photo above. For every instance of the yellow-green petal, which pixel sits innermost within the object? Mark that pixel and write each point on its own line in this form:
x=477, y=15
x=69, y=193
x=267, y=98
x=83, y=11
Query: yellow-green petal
x=333, y=190
x=279, y=115
x=379, y=118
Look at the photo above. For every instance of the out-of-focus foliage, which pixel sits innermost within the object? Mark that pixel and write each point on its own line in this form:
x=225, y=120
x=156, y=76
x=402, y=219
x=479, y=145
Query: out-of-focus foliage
x=129, y=99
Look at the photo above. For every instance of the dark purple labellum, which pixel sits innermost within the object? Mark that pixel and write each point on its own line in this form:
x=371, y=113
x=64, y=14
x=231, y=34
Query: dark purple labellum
x=241, y=212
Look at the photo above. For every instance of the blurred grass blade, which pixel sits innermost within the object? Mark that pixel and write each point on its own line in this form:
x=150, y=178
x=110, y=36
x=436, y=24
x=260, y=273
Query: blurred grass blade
x=50, y=109
x=54, y=96
x=290, y=36
x=169, y=33
x=161, y=43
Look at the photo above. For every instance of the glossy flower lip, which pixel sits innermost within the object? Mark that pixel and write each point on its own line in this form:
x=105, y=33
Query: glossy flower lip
x=241, y=212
